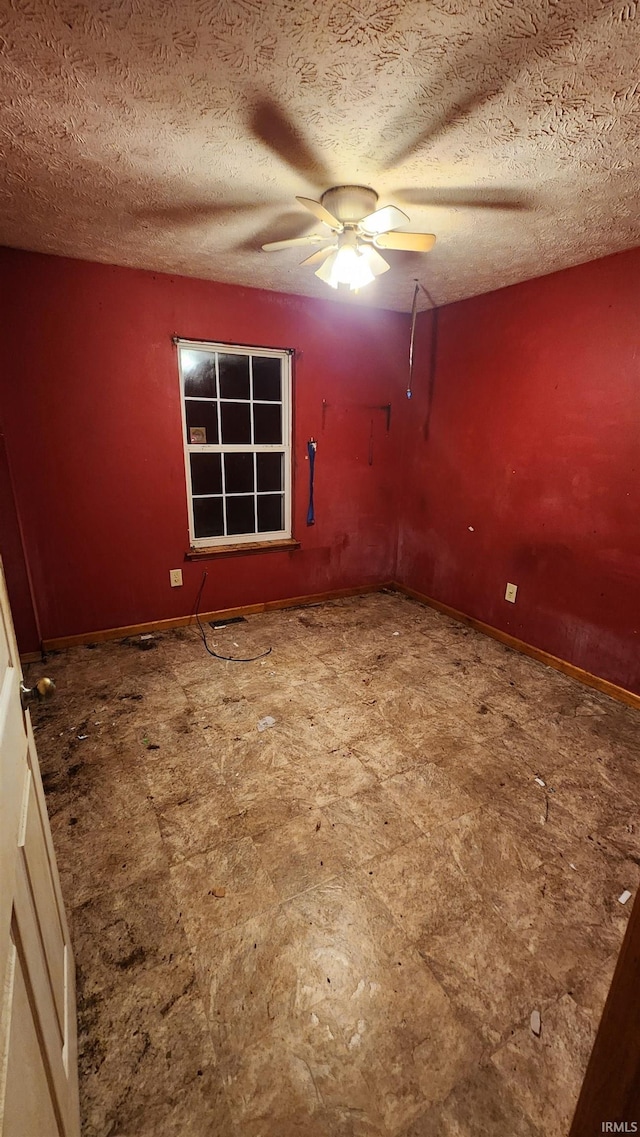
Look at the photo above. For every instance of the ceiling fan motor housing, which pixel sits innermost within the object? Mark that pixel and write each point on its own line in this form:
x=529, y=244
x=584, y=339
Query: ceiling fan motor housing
x=349, y=203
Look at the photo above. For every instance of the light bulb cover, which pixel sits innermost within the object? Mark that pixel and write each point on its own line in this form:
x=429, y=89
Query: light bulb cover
x=325, y=272
x=350, y=267
x=362, y=273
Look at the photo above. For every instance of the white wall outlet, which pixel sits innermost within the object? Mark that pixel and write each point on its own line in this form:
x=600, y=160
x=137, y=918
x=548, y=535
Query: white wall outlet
x=511, y=592
x=175, y=576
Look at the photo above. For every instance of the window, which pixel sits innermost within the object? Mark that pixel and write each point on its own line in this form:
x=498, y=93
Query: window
x=236, y=409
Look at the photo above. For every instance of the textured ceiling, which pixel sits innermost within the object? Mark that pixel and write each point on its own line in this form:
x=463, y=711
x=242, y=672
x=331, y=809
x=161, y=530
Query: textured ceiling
x=174, y=135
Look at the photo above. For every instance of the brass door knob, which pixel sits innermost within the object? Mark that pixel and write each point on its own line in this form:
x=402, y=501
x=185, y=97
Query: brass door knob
x=43, y=689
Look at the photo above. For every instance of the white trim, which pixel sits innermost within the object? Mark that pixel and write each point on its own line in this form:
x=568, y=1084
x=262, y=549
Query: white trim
x=240, y=448
x=255, y=496
x=243, y=493
x=283, y=448
x=234, y=349
x=252, y=424
x=223, y=478
x=238, y=539
x=208, y=399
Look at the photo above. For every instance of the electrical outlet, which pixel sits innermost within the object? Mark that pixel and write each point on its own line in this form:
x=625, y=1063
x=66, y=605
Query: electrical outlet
x=511, y=593
x=175, y=576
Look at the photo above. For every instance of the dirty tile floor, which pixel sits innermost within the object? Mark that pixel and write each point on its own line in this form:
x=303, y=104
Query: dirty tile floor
x=338, y=925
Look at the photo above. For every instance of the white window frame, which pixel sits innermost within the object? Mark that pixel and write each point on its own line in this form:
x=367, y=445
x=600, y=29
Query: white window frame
x=255, y=448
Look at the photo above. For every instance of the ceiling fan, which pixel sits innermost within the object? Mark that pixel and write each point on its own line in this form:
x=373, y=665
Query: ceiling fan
x=357, y=230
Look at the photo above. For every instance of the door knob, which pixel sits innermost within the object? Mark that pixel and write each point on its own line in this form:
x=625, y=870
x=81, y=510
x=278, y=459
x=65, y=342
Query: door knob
x=43, y=689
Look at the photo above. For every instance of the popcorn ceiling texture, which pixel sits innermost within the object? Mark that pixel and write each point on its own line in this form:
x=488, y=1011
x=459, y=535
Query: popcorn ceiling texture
x=173, y=136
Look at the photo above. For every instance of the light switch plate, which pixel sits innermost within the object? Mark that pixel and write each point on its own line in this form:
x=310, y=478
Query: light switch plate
x=511, y=593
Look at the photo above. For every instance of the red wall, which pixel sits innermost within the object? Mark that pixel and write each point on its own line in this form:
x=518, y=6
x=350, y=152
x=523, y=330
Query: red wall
x=524, y=426
x=90, y=404
x=13, y=560
x=530, y=435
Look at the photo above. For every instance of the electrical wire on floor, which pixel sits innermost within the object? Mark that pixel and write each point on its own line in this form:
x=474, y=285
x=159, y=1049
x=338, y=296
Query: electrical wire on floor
x=203, y=634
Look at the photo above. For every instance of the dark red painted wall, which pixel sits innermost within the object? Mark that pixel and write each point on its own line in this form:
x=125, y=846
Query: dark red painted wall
x=92, y=415
x=522, y=463
x=524, y=426
x=13, y=560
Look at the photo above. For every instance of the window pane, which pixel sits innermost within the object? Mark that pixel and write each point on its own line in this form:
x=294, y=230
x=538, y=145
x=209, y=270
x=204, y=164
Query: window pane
x=206, y=474
x=270, y=471
x=234, y=376
x=267, y=421
x=199, y=371
x=240, y=517
x=236, y=423
x=266, y=378
x=238, y=473
x=202, y=416
x=207, y=515
x=270, y=513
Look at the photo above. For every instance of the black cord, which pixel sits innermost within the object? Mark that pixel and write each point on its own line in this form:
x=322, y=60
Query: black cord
x=414, y=311
x=203, y=634
x=428, y=295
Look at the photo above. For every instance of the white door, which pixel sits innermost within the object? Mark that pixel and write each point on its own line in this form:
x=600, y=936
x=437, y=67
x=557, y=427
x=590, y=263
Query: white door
x=38, y=1059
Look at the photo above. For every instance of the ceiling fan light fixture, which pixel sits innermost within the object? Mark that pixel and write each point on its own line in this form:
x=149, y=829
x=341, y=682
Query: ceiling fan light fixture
x=376, y=263
x=347, y=265
x=325, y=272
x=351, y=267
x=361, y=273
x=350, y=256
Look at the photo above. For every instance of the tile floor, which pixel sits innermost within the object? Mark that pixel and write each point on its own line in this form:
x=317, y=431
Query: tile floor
x=339, y=925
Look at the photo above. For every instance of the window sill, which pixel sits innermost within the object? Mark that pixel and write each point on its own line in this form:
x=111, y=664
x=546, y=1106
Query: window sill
x=241, y=550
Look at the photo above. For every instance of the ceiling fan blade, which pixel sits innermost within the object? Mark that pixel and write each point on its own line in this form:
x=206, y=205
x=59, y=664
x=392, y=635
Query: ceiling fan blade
x=409, y=242
x=449, y=197
x=290, y=224
x=451, y=116
x=496, y=61
x=292, y=242
x=376, y=263
x=194, y=213
x=320, y=212
x=381, y=220
x=319, y=255
x=271, y=125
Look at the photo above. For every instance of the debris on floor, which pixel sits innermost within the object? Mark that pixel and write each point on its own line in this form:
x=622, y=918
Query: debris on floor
x=145, y=643
x=231, y=620
x=214, y=801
